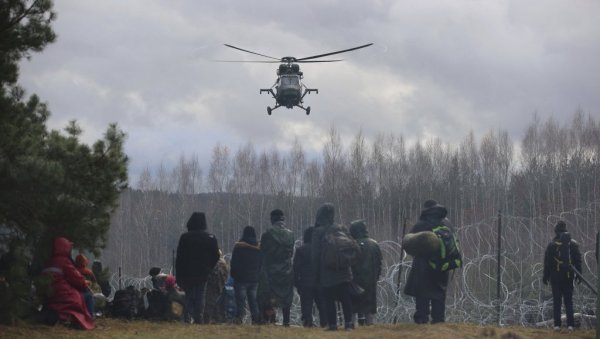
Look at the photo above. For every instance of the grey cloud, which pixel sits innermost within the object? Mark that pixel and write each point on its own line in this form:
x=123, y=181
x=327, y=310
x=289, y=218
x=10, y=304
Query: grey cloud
x=437, y=68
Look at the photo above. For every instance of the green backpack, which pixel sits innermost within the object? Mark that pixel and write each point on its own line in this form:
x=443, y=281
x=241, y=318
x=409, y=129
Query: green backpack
x=449, y=256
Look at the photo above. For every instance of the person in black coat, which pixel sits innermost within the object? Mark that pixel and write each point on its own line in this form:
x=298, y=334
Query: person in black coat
x=246, y=263
x=335, y=285
x=424, y=283
x=561, y=277
x=197, y=255
x=304, y=280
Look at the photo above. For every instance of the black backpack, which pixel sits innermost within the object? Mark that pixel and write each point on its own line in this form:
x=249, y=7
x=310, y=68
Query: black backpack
x=159, y=305
x=562, y=254
x=126, y=303
x=449, y=256
x=338, y=249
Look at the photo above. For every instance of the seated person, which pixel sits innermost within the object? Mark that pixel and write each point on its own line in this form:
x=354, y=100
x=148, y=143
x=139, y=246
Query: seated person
x=102, y=277
x=67, y=285
x=81, y=262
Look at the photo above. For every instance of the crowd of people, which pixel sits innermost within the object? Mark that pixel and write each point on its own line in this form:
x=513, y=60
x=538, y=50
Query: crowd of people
x=334, y=267
x=266, y=270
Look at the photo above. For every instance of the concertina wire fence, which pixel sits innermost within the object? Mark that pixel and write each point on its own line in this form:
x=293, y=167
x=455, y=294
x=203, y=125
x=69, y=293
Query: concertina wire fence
x=472, y=293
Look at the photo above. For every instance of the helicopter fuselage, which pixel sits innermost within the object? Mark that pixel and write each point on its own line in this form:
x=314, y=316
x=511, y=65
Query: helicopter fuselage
x=288, y=90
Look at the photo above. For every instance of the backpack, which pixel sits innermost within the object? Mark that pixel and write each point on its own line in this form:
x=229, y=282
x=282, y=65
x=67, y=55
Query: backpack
x=126, y=302
x=449, y=256
x=338, y=250
x=562, y=254
x=158, y=305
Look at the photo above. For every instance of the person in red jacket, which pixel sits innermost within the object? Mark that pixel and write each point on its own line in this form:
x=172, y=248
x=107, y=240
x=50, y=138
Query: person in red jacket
x=67, y=285
x=81, y=262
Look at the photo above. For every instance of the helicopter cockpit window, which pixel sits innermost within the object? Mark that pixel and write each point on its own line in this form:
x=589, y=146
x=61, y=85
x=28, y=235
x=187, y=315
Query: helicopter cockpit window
x=290, y=81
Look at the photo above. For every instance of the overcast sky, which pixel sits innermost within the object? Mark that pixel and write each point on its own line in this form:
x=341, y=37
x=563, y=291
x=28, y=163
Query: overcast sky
x=437, y=68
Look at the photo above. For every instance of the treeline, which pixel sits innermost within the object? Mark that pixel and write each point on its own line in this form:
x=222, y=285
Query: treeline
x=554, y=168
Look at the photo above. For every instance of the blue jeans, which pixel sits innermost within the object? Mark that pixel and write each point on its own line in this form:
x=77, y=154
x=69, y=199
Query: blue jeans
x=195, y=297
x=243, y=290
x=88, y=296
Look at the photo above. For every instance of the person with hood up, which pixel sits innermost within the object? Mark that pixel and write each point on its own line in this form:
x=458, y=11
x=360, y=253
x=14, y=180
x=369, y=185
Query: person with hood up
x=427, y=285
x=561, y=256
x=197, y=255
x=67, y=286
x=333, y=284
x=304, y=280
x=276, y=284
x=245, y=268
x=366, y=271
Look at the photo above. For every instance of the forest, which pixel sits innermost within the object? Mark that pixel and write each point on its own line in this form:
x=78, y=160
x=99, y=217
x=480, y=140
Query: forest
x=550, y=174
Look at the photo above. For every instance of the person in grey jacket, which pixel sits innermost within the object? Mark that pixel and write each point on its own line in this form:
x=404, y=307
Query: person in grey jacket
x=333, y=284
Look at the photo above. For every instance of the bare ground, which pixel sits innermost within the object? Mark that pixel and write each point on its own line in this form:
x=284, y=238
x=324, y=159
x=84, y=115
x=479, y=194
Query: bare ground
x=113, y=328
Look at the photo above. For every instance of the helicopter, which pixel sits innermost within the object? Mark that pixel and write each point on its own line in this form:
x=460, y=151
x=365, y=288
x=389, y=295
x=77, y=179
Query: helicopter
x=288, y=90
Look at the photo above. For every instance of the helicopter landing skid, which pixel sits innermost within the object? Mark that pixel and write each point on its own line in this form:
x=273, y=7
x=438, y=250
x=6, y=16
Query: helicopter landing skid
x=269, y=109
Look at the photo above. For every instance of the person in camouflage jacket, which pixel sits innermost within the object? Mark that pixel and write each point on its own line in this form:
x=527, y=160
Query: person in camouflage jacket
x=276, y=283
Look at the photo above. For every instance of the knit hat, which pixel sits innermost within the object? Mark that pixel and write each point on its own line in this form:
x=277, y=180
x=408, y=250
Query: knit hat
x=197, y=221
x=170, y=281
x=429, y=203
x=277, y=215
x=358, y=229
x=560, y=227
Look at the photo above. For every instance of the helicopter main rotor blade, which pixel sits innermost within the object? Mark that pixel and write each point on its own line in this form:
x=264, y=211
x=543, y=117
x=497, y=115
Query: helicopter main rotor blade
x=332, y=53
x=247, y=51
x=250, y=61
x=307, y=61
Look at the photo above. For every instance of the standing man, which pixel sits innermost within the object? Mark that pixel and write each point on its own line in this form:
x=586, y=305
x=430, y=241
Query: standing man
x=427, y=285
x=334, y=284
x=366, y=271
x=276, y=285
x=562, y=254
x=197, y=255
x=304, y=280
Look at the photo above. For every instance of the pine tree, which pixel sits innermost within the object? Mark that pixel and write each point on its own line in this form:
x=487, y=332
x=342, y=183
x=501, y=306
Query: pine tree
x=50, y=183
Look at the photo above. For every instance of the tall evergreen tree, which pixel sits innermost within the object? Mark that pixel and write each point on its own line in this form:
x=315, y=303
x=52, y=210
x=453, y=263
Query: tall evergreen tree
x=50, y=183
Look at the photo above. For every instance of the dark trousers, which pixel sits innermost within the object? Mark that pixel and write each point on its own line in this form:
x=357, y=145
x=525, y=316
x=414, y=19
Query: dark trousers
x=341, y=293
x=243, y=291
x=195, y=297
x=308, y=296
x=560, y=291
x=423, y=307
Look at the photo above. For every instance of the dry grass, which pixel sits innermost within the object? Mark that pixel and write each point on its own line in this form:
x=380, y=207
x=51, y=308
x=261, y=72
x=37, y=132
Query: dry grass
x=112, y=328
